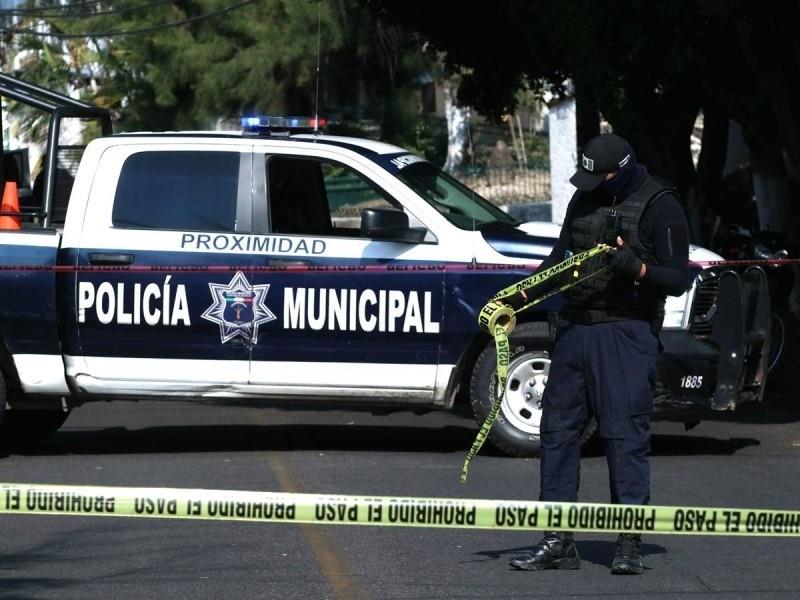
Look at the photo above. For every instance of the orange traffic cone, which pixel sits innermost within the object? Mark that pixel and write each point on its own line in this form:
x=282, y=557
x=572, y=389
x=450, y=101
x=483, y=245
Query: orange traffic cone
x=10, y=204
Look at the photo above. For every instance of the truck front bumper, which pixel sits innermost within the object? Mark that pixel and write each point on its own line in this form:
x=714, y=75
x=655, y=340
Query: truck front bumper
x=721, y=359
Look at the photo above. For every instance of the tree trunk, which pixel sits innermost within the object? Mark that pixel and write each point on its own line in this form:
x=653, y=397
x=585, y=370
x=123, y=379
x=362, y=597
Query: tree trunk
x=769, y=42
x=659, y=129
x=457, y=125
x=769, y=179
x=773, y=53
x=713, y=152
x=587, y=117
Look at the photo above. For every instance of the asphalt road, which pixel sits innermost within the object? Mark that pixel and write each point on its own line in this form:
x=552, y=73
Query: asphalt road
x=750, y=459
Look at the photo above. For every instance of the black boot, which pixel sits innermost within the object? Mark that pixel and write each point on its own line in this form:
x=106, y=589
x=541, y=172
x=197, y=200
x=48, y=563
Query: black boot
x=628, y=560
x=554, y=551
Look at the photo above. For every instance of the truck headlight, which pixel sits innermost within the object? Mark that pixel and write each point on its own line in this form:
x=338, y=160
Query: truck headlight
x=676, y=311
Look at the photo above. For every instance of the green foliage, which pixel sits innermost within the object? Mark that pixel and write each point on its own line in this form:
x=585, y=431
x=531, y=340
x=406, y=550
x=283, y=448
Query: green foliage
x=51, y=71
x=537, y=147
x=649, y=67
x=188, y=77
x=427, y=135
x=362, y=129
x=261, y=58
x=430, y=139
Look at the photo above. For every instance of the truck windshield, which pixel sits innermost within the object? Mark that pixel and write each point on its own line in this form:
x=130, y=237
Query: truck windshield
x=463, y=207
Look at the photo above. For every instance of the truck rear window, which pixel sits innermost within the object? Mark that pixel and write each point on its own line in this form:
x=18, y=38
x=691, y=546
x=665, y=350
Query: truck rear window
x=182, y=190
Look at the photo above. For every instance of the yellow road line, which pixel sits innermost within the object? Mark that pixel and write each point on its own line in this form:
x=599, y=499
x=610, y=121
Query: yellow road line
x=323, y=549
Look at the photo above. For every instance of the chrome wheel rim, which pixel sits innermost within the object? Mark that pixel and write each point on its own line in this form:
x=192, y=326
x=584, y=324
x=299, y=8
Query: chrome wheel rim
x=522, y=404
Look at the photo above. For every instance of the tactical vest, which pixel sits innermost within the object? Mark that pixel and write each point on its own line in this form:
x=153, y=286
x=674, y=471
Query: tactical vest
x=608, y=297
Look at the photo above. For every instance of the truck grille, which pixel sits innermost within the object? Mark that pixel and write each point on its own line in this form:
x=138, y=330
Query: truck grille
x=705, y=305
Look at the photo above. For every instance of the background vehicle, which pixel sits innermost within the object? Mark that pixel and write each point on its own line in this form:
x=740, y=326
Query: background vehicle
x=305, y=268
x=739, y=243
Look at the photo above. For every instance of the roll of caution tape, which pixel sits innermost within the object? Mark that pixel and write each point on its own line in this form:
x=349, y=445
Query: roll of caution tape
x=389, y=511
x=499, y=319
x=497, y=313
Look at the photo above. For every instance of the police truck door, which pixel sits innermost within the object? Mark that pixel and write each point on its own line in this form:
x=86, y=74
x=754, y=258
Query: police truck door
x=150, y=307
x=355, y=316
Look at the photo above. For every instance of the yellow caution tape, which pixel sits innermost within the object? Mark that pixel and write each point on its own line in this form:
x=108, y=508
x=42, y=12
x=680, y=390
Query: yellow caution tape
x=388, y=511
x=502, y=350
x=499, y=319
x=573, y=262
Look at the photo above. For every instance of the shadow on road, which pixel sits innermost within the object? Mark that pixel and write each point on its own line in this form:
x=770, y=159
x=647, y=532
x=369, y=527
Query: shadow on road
x=769, y=412
x=599, y=552
x=213, y=438
x=311, y=437
x=95, y=561
x=684, y=445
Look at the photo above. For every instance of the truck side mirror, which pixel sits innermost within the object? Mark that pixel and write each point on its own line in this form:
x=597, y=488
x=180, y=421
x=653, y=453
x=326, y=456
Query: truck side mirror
x=386, y=224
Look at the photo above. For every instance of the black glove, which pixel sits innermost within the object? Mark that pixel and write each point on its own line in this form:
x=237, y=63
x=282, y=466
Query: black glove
x=515, y=301
x=623, y=261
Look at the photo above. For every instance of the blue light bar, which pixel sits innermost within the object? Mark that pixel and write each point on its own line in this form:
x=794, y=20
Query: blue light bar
x=248, y=122
x=266, y=124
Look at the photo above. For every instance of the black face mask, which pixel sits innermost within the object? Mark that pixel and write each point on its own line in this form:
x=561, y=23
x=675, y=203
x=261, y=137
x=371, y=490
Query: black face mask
x=619, y=183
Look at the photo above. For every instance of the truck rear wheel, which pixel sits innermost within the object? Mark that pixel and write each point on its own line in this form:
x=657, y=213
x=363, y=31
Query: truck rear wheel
x=516, y=430
x=2, y=404
x=23, y=429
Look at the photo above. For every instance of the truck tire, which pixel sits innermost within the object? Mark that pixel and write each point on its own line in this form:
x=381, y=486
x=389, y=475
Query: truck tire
x=23, y=429
x=2, y=404
x=516, y=430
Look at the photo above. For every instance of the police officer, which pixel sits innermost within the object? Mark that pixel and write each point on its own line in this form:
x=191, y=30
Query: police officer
x=604, y=358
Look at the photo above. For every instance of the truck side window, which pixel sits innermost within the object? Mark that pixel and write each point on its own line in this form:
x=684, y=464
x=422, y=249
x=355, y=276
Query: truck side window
x=318, y=197
x=181, y=190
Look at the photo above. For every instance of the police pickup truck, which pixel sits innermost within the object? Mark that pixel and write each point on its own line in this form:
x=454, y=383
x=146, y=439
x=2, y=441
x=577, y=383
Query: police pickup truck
x=308, y=268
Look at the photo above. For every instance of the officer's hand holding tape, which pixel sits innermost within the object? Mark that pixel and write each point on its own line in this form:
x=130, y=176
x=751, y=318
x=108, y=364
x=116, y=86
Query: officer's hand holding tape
x=623, y=261
x=517, y=301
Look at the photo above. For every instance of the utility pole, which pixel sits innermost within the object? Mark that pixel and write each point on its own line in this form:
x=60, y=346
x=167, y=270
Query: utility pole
x=2, y=153
x=5, y=21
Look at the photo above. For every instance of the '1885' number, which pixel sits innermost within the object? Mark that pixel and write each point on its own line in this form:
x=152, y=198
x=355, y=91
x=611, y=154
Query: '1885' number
x=692, y=382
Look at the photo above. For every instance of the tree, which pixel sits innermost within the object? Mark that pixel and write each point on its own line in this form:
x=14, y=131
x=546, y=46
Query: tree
x=185, y=64
x=255, y=58
x=650, y=68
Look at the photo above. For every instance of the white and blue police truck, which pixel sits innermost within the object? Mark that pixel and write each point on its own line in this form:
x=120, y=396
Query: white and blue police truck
x=302, y=267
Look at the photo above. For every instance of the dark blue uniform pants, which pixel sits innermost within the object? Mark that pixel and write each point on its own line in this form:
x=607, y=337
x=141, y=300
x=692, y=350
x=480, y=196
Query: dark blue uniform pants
x=606, y=371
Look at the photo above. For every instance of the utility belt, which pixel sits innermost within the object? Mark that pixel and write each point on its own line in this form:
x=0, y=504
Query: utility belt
x=591, y=316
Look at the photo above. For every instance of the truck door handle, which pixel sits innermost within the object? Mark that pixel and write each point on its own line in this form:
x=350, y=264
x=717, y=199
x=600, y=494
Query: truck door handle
x=102, y=258
x=287, y=263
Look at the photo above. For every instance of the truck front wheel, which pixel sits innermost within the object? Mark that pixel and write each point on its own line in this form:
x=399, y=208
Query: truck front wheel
x=516, y=430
